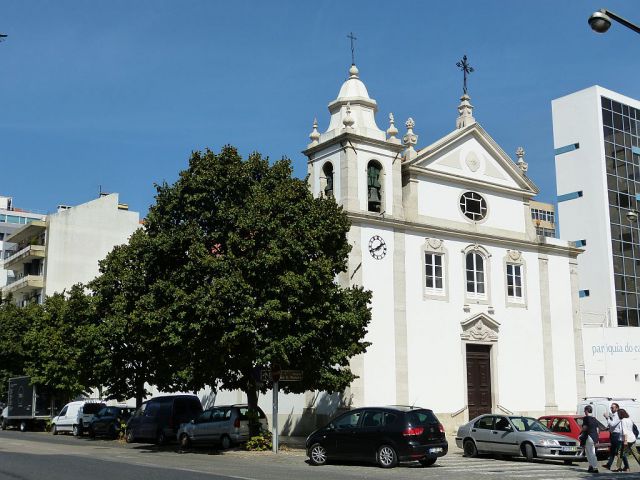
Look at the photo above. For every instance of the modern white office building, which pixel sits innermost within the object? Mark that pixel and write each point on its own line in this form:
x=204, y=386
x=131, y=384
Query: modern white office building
x=597, y=152
x=56, y=252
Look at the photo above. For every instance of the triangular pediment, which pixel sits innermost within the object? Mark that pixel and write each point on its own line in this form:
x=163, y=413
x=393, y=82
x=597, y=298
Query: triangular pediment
x=480, y=328
x=470, y=155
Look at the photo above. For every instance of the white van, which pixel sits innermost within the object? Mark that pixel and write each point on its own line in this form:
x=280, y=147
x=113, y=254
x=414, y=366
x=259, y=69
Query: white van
x=72, y=417
x=602, y=405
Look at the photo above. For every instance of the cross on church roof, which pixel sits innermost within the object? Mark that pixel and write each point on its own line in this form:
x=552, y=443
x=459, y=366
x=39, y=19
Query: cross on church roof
x=466, y=69
x=352, y=38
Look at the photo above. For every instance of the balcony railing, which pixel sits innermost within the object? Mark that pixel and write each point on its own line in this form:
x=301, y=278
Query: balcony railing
x=25, y=283
x=27, y=254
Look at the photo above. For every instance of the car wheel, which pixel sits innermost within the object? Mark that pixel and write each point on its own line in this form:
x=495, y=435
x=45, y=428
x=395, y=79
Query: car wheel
x=3, y=425
x=185, y=443
x=161, y=438
x=318, y=455
x=91, y=432
x=54, y=429
x=77, y=430
x=470, y=449
x=427, y=462
x=23, y=426
x=529, y=452
x=225, y=442
x=129, y=436
x=387, y=457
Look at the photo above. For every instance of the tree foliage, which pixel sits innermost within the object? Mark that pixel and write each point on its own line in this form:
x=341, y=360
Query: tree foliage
x=62, y=342
x=14, y=324
x=246, y=261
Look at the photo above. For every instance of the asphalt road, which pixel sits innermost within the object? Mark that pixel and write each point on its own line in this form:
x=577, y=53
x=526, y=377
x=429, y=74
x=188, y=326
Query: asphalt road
x=40, y=456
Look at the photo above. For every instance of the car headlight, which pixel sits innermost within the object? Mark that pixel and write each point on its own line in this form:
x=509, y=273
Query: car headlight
x=549, y=443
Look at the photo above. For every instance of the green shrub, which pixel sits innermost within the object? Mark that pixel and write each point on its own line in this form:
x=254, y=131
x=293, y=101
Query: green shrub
x=260, y=443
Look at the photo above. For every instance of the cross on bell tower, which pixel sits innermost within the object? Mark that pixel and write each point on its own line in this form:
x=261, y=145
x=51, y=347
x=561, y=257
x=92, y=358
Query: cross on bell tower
x=353, y=57
x=467, y=69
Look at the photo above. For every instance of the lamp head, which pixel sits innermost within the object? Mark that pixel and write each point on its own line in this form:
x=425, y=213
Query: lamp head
x=632, y=216
x=599, y=21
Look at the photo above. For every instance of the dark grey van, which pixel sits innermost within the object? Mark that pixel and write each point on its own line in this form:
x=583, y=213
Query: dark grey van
x=160, y=418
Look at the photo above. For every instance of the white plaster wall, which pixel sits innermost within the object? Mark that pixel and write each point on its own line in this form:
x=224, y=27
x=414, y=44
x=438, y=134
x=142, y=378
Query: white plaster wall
x=441, y=199
x=613, y=354
x=564, y=360
x=434, y=334
x=379, y=361
x=78, y=238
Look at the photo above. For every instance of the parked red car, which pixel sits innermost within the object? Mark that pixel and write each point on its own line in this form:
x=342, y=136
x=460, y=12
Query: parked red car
x=571, y=426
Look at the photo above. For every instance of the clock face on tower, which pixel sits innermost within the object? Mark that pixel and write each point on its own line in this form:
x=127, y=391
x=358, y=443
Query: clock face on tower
x=377, y=247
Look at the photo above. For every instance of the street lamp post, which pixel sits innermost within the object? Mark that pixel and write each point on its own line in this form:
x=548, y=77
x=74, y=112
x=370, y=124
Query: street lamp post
x=600, y=21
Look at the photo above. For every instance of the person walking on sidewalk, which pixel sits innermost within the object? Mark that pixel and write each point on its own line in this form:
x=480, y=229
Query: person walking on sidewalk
x=589, y=438
x=615, y=429
x=628, y=441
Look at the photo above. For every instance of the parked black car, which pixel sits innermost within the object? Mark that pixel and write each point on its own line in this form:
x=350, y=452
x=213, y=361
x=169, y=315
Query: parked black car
x=385, y=435
x=108, y=421
x=158, y=419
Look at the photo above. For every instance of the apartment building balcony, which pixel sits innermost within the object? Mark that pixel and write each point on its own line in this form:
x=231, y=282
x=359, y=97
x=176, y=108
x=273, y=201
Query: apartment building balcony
x=24, y=284
x=26, y=255
x=28, y=234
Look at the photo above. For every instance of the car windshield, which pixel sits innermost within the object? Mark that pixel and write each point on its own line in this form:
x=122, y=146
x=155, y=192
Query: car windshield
x=527, y=424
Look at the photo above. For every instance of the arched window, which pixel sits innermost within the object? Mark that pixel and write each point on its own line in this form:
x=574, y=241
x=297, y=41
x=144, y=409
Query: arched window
x=374, y=186
x=476, y=278
x=327, y=169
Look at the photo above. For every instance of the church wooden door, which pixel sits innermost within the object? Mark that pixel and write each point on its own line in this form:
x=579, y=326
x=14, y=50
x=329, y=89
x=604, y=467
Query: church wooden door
x=478, y=379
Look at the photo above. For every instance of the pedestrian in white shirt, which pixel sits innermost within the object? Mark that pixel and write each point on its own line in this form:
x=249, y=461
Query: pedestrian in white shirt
x=628, y=440
x=615, y=429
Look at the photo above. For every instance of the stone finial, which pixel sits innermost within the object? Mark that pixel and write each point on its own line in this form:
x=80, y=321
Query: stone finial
x=353, y=71
x=524, y=166
x=314, y=135
x=410, y=139
x=465, y=112
x=392, y=131
x=348, y=120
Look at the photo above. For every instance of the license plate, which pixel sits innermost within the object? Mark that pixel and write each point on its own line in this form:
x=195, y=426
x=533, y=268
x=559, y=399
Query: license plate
x=569, y=449
x=435, y=450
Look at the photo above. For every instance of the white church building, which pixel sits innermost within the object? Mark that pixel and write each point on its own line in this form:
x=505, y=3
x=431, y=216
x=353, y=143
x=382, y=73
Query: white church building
x=472, y=312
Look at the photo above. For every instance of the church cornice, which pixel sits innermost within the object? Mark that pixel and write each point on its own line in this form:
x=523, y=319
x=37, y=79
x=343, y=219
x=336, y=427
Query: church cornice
x=343, y=140
x=475, y=237
x=413, y=170
x=484, y=137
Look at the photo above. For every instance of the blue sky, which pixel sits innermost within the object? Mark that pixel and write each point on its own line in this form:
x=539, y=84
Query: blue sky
x=117, y=94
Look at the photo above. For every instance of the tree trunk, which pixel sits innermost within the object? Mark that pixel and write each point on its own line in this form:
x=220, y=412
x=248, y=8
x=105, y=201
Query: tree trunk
x=252, y=401
x=139, y=392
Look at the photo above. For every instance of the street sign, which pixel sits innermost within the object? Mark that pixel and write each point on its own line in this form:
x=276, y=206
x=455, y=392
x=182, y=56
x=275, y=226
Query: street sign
x=284, y=375
x=290, y=375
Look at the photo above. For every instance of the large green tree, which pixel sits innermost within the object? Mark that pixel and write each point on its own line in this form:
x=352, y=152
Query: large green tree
x=14, y=324
x=245, y=262
x=131, y=336
x=62, y=341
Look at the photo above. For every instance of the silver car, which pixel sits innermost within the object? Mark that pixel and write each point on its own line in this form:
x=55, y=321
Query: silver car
x=517, y=436
x=224, y=425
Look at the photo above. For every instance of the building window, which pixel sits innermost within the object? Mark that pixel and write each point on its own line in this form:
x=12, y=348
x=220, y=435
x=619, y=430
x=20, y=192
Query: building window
x=475, y=275
x=543, y=215
x=546, y=232
x=473, y=205
x=434, y=272
x=374, y=187
x=327, y=169
x=514, y=282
